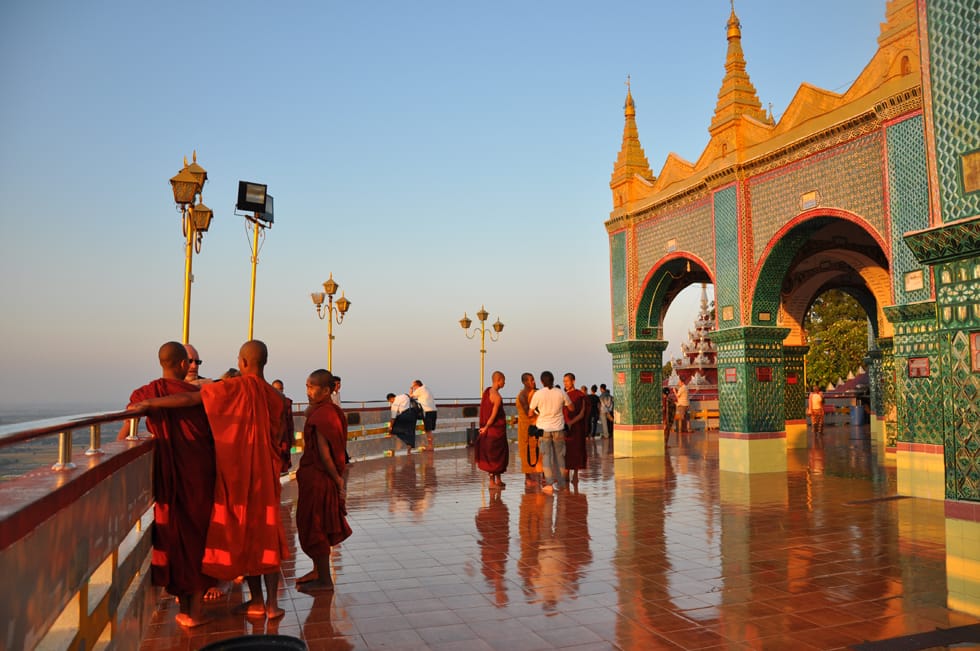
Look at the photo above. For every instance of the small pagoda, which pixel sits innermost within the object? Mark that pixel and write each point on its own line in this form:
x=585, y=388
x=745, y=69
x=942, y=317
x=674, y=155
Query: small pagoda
x=698, y=364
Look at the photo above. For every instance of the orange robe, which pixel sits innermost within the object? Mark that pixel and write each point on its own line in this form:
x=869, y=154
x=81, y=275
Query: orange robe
x=183, y=483
x=575, y=449
x=320, y=509
x=246, y=536
x=492, y=451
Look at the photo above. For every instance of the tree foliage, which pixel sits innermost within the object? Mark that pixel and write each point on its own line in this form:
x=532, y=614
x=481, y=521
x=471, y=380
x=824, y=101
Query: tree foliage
x=837, y=332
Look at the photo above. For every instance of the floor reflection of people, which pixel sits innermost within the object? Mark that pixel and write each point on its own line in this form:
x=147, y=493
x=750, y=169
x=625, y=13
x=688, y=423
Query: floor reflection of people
x=407, y=495
x=318, y=630
x=554, y=535
x=493, y=525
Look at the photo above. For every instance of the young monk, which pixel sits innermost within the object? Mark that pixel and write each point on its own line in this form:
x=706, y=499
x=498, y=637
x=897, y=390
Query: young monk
x=245, y=536
x=492, y=451
x=320, y=509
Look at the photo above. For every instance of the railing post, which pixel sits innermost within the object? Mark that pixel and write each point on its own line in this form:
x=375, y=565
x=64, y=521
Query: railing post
x=95, y=440
x=64, y=452
x=133, y=427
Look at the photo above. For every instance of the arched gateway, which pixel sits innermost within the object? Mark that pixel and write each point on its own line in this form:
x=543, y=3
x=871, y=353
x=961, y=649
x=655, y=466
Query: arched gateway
x=875, y=191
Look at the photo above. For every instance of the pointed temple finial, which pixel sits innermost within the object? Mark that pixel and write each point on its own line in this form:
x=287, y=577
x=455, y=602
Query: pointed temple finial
x=737, y=96
x=631, y=161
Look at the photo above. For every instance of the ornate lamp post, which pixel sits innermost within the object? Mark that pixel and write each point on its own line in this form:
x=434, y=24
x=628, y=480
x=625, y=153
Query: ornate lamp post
x=195, y=218
x=330, y=311
x=498, y=327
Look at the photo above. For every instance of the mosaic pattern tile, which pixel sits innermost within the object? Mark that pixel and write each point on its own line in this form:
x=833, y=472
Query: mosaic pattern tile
x=908, y=203
x=847, y=177
x=637, y=378
x=963, y=400
x=919, y=399
x=754, y=401
x=728, y=289
x=687, y=226
x=620, y=307
x=795, y=403
x=954, y=49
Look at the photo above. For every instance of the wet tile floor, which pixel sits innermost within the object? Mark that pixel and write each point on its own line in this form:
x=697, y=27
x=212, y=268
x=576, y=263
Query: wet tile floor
x=662, y=553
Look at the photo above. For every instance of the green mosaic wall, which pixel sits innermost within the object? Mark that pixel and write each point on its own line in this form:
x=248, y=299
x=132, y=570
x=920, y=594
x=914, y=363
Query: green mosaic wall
x=847, y=177
x=958, y=300
x=766, y=298
x=873, y=363
x=954, y=50
x=637, y=379
x=748, y=405
x=727, y=286
x=687, y=225
x=888, y=407
x=908, y=202
x=795, y=404
x=620, y=310
x=919, y=399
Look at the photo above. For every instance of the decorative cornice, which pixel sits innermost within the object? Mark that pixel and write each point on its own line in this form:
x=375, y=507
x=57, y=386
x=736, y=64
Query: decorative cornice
x=944, y=243
x=632, y=346
x=899, y=104
x=924, y=311
x=749, y=333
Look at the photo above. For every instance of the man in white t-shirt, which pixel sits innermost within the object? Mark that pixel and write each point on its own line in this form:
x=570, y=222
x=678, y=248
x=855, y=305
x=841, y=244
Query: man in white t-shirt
x=683, y=404
x=815, y=407
x=547, y=403
x=421, y=393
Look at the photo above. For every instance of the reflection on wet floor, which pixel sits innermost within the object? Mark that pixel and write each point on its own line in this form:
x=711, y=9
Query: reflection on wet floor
x=659, y=553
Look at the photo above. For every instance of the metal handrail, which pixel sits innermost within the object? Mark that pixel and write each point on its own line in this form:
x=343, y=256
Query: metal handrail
x=63, y=427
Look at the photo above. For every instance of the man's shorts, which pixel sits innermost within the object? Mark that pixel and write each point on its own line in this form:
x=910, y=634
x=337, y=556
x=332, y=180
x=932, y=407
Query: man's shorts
x=429, y=421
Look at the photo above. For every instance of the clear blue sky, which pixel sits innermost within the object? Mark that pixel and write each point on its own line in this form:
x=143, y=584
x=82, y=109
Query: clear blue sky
x=435, y=156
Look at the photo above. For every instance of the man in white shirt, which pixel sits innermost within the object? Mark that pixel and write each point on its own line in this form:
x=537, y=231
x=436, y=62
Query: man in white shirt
x=402, y=423
x=428, y=403
x=547, y=403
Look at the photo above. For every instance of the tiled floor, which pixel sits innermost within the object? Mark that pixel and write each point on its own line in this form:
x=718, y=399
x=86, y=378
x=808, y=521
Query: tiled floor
x=645, y=554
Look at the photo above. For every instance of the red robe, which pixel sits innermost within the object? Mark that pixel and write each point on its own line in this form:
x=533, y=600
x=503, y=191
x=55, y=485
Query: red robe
x=183, y=483
x=320, y=509
x=288, y=438
x=575, y=449
x=246, y=536
x=492, y=449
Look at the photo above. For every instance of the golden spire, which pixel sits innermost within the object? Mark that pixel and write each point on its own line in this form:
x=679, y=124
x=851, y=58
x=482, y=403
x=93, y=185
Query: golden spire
x=631, y=159
x=737, y=96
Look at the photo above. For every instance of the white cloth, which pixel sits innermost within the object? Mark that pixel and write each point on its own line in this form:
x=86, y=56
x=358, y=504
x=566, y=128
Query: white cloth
x=400, y=404
x=549, y=403
x=424, y=396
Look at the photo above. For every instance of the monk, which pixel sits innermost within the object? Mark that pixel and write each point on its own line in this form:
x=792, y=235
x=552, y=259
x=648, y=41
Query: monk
x=577, y=419
x=289, y=436
x=492, y=450
x=246, y=536
x=320, y=508
x=183, y=483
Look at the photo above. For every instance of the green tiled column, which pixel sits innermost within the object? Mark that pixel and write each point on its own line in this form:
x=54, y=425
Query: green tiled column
x=637, y=380
x=752, y=396
x=795, y=395
x=873, y=363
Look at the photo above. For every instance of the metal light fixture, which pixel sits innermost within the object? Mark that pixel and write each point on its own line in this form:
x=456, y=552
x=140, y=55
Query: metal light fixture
x=331, y=311
x=187, y=186
x=497, y=327
x=255, y=200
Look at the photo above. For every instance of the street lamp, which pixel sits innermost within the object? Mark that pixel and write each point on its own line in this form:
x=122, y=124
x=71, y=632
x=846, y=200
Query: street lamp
x=254, y=198
x=195, y=219
x=498, y=327
x=330, y=311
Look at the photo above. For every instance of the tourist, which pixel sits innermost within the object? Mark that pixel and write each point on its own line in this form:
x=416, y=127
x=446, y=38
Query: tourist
x=669, y=406
x=683, y=404
x=815, y=407
x=577, y=430
x=246, y=536
x=335, y=392
x=183, y=486
x=321, y=487
x=547, y=404
x=193, y=375
x=403, y=419
x=527, y=445
x=492, y=450
x=424, y=397
x=594, y=410
x=606, y=406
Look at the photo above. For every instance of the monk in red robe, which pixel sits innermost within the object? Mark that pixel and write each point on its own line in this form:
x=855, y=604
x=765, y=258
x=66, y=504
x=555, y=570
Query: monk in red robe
x=320, y=508
x=577, y=419
x=183, y=483
x=492, y=450
x=245, y=536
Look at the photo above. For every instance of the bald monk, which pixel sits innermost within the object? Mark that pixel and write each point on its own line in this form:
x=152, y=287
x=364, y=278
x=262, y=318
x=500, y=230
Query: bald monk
x=492, y=449
x=245, y=536
x=183, y=483
x=320, y=509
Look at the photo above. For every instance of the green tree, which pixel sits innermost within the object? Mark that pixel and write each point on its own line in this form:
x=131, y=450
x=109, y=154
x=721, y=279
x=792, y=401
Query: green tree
x=837, y=331
x=667, y=370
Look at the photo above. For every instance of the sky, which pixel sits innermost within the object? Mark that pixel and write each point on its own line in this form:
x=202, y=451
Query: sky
x=433, y=156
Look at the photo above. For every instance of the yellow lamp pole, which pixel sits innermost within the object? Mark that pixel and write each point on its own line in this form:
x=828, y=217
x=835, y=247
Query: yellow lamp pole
x=255, y=263
x=330, y=311
x=195, y=220
x=498, y=327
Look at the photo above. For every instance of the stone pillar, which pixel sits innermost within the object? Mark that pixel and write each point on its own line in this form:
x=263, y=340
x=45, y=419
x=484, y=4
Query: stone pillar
x=751, y=396
x=795, y=395
x=637, y=382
